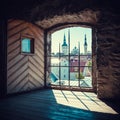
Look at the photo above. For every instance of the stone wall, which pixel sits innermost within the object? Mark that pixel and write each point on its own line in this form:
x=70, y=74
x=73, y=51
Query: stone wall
x=108, y=58
x=94, y=61
x=103, y=15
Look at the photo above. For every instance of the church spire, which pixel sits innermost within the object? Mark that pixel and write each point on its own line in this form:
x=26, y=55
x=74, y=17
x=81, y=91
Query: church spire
x=85, y=45
x=64, y=41
x=64, y=46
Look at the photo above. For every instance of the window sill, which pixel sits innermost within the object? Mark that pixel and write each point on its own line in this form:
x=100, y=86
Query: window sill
x=30, y=54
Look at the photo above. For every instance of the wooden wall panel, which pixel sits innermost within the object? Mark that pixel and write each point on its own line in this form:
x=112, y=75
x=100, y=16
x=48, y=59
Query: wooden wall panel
x=24, y=72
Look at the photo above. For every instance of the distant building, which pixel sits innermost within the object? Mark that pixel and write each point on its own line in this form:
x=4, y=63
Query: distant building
x=62, y=68
x=65, y=46
x=59, y=68
x=75, y=51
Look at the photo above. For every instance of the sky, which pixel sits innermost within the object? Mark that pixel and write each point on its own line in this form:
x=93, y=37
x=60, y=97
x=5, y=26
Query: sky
x=77, y=34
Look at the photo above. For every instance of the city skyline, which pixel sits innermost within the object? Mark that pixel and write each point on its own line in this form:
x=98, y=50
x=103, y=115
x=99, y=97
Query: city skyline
x=77, y=34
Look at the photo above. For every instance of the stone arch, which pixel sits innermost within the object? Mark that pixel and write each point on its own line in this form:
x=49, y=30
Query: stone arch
x=74, y=20
x=85, y=17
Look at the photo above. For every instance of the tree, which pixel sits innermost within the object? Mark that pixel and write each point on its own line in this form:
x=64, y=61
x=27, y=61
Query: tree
x=79, y=76
x=89, y=65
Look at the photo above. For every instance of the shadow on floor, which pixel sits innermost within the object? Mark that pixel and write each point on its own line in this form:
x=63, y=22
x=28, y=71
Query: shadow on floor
x=114, y=104
x=42, y=105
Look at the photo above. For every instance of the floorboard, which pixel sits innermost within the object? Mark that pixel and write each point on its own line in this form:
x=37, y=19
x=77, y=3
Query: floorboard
x=56, y=105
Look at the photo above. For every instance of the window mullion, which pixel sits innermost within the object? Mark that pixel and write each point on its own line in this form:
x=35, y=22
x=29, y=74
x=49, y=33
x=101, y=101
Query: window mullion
x=79, y=64
x=69, y=57
x=59, y=67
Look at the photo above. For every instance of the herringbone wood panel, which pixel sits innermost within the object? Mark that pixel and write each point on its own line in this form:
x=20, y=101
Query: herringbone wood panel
x=24, y=72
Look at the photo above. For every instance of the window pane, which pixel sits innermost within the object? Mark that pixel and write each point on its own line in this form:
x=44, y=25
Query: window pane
x=26, y=45
x=73, y=76
x=74, y=61
x=54, y=75
x=86, y=60
x=59, y=75
x=85, y=76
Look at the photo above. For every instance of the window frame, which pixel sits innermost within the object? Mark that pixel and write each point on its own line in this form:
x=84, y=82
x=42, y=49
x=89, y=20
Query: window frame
x=32, y=46
x=49, y=65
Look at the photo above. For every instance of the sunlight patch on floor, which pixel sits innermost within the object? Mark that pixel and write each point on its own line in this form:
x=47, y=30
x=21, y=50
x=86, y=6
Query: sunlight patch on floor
x=82, y=100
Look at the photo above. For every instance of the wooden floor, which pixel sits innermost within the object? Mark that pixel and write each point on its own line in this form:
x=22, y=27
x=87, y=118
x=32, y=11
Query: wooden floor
x=56, y=105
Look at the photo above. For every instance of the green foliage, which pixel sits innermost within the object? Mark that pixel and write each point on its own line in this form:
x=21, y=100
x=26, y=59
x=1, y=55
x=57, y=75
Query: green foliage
x=80, y=76
x=90, y=64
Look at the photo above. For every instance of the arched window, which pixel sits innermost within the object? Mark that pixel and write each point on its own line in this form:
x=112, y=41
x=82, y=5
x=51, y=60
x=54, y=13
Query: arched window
x=79, y=63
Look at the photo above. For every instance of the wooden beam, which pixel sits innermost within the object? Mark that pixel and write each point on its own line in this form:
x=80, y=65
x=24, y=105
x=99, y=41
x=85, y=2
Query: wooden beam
x=3, y=58
x=45, y=60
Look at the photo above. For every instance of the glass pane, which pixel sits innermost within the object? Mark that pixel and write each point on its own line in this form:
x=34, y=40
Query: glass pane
x=85, y=76
x=64, y=73
x=74, y=61
x=82, y=78
x=73, y=76
x=85, y=43
x=86, y=60
x=55, y=61
x=54, y=75
x=59, y=75
x=26, y=45
x=64, y=61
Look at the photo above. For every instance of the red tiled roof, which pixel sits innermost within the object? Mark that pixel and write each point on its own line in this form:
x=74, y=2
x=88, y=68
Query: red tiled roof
x=75, y=63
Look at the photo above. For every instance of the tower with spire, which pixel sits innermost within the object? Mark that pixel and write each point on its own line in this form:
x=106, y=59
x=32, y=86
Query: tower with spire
x=64, y=46
x=85, y=45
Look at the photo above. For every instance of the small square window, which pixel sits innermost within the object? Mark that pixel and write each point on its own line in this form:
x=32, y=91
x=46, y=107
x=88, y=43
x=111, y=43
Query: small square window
x=27, y=45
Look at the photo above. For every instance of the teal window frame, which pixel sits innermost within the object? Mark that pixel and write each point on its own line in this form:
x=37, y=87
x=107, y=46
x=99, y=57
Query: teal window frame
x=27, y=45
